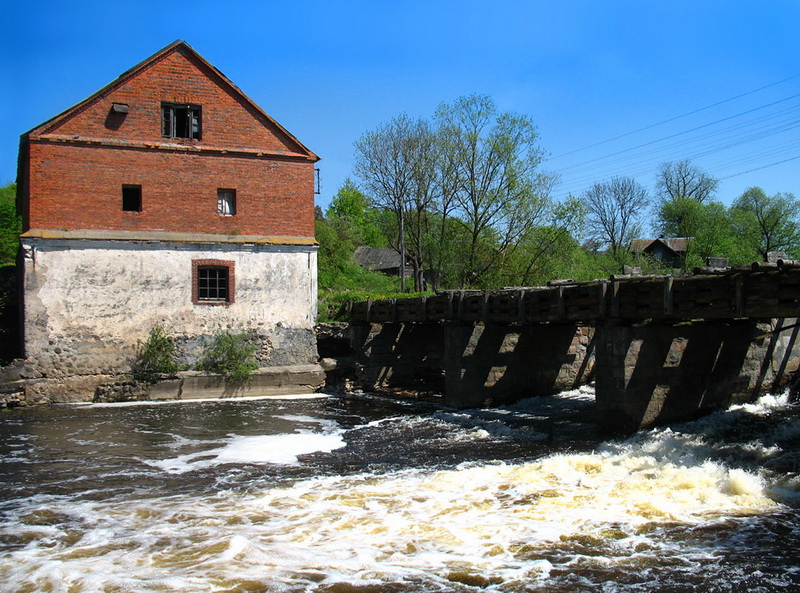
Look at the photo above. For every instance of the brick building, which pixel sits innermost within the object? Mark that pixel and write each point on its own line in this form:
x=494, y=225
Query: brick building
x=167, y=197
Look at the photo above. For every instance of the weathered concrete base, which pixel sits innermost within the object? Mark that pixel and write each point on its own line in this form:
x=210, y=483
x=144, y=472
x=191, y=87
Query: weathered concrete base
x=271, y=381
x=656, y=374
x=188, y=385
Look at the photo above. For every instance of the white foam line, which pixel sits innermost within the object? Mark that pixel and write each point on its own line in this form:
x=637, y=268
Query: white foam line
x=245, y=398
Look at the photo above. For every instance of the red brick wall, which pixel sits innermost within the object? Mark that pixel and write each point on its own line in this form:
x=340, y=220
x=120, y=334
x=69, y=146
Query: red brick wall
x=78, y=167
x=80, y=187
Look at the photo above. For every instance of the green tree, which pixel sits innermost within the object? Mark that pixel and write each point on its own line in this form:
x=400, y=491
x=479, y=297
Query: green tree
x=354, y=214
x=498, y=191
x=767, y=223
x=679, y=217
x=10, y=224
x=230, y=355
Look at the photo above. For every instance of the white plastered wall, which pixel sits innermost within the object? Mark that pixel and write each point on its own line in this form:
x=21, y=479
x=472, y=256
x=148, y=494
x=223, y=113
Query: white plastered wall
x=88, y=302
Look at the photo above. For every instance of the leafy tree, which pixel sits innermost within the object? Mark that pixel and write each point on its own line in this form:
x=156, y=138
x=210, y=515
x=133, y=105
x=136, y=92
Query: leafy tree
x=10, y=224
x=387, y=160
x=679, y=217
x=498, y=191
x=546, y=251
x=354, y=213
x=156, y=355
x=613, y=213
x=767, y=223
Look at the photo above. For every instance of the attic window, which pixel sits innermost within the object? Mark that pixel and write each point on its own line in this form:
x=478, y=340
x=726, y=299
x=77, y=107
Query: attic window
x=179, y=120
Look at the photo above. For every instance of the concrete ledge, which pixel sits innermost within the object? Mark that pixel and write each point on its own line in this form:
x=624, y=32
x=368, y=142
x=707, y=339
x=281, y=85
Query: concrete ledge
x=266, y=381
x=271, y=381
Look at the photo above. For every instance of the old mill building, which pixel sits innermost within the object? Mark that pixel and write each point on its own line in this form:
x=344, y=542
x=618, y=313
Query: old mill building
x=165, y=198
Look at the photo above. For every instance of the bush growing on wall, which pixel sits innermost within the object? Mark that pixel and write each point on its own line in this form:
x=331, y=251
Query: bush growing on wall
x=157, y=355
x=230, y=355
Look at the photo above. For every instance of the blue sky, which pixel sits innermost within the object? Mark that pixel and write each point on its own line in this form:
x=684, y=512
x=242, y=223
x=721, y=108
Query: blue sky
x=615, y=87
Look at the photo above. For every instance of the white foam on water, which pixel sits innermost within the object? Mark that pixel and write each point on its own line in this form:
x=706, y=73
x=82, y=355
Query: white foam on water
x=500, y=524
x=494, y=521
x=168, y=402
x=261, y=449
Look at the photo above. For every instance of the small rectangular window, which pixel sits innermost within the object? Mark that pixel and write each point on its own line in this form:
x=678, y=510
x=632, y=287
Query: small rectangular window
x=226, y=202
x=181, y=121
x=132, y=198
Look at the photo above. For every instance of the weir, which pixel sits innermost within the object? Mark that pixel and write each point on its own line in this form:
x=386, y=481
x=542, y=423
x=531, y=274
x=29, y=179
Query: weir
x=659, y=348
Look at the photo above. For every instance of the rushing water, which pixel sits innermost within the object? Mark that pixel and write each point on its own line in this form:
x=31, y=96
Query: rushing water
x=364, y=494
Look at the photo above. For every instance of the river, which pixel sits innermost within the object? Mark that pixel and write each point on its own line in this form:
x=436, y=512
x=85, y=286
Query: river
x=365, y=494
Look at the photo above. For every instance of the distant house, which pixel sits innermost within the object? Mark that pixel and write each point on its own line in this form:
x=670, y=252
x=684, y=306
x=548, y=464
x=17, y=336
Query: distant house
x=672, y=252
x=381, y=259
x=167, y=197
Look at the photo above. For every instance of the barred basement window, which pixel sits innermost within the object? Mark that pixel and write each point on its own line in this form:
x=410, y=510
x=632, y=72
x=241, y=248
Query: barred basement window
x=181, y=121
x=213, y=282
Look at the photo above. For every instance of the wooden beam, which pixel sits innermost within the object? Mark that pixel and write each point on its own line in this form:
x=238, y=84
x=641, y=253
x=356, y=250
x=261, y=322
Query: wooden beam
x=668, y=293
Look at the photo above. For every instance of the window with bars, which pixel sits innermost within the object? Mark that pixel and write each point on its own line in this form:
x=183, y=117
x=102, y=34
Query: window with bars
x=212, y=282
x=181, y=121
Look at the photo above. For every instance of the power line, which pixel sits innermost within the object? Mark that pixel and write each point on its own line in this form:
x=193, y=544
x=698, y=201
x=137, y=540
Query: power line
x=677, y=134
x=794, y=158
x=677, y=117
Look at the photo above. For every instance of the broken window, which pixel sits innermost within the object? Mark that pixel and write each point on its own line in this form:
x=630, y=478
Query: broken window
x=212, y=282
x=181, y=121
x=226, y=202
x=132, y=198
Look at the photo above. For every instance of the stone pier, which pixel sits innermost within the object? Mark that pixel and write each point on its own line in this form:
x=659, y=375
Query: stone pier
x=473, y=364
x=645, y=374
x=654, y=374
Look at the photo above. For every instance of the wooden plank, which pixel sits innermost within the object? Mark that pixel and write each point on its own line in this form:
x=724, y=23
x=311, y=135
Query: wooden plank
x=668, y=293
x=601, y=300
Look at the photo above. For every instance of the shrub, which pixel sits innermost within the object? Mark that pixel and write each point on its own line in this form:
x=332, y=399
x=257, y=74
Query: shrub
x=230, y=355
x=157, y=355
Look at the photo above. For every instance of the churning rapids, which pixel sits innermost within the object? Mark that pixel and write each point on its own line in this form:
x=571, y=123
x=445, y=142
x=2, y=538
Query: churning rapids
x=362, y=494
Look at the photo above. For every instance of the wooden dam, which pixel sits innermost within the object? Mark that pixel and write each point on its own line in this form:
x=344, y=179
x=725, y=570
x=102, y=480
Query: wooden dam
x=659, y=348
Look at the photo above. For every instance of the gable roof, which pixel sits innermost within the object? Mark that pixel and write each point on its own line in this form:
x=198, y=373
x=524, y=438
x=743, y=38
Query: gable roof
x=677, y=245
x=377, y=258
x=186, y=50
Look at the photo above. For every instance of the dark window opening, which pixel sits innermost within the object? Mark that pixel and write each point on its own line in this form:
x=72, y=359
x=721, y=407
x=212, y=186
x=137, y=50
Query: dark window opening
x=212, y=284
x=181, y=121
x=226, y=202
x=132, y=198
